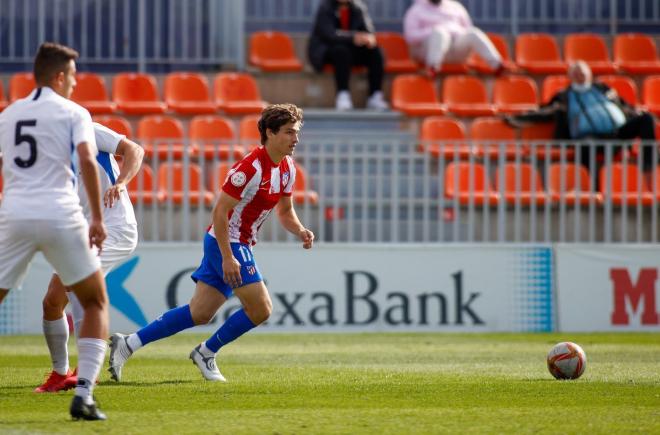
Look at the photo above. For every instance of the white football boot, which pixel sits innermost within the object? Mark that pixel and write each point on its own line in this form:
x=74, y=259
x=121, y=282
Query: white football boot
x=206, y=365
x=120, y=351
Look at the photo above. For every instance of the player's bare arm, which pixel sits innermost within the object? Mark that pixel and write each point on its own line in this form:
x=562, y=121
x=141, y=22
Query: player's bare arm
x=289, y=219
x=90, y=176
x=231, y=268
x=132, y=154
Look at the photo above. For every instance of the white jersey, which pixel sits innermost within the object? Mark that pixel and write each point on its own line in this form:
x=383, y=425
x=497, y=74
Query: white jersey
x=38, y=137
x=121, y=213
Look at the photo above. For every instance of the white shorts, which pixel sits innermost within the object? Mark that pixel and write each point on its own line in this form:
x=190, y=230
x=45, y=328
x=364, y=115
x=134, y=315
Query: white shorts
x=119, y=244
x=64, y=244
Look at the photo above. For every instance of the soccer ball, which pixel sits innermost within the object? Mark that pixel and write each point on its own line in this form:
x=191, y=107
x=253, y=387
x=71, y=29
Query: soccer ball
x=566, y=360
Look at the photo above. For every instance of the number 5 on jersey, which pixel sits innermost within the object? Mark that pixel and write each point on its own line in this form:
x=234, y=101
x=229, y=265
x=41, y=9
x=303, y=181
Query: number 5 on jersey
x=22, y=137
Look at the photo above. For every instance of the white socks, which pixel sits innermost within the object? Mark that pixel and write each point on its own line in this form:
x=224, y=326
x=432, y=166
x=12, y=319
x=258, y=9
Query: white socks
x=91, y=353
x=134, y=342
x=206, y=351
x=56, y=333
x=77, y=312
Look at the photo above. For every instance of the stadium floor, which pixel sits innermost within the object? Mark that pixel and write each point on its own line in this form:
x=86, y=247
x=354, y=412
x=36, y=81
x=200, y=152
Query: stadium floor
x=353, y=383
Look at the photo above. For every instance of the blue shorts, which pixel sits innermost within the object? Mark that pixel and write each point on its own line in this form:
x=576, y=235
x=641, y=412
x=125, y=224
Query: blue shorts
x=210, y=269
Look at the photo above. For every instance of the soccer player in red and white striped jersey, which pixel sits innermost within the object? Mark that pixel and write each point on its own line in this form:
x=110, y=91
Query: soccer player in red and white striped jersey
x=257, y=184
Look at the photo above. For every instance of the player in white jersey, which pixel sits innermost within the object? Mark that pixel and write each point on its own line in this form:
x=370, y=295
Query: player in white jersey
x=121, y=226
x=41, y=211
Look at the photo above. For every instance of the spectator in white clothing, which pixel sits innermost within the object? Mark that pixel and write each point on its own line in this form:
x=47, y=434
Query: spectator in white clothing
x=439, y=31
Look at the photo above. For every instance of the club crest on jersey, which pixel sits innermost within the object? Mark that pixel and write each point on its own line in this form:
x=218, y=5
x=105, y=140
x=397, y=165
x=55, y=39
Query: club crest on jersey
x=238, y=178
x=285, y=178
x=251, y=270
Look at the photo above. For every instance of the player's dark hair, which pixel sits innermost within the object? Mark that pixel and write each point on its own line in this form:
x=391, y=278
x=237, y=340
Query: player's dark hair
x=275, y=116
x=51, y=59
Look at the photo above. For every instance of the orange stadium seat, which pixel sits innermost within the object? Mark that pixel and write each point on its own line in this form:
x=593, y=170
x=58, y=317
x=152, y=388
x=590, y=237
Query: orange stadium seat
x=20, y=85
x=141, y=187
x=248, y=132
x=466, y=96
x=457, y=184
x=415, y=95
x=302, y=192
x=444, y=137
x=237, y=94
x=90, y=92
x=161, y=136
x=188, y=94
x=3, y=100
x=480, y=65
x=214, y=136
x=655, y=174
x=218, y=176
x=636, y=53
x=489, y=134
x=631, y=191
x=651, y=94
x=273, y=51
x=541, y=134
x=513, y=94
x=522, y=184
x=116, y=123
x=454, y=68
x=552, y=85
x=564, y=181
x=396, y=53
x=137, y=94
x=590, y=48
x=171, y=184
x=624, y=86
x=538, y=53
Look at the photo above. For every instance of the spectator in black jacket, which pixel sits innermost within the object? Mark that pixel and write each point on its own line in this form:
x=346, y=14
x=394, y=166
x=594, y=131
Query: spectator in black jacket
x=343, y=36
x=587, y=111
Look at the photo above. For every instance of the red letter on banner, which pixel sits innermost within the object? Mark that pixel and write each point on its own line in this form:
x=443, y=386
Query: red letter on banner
x=624, y=288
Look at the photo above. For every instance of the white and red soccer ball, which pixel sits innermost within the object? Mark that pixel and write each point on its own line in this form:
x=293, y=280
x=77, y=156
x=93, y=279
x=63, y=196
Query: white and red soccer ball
x=566, y=360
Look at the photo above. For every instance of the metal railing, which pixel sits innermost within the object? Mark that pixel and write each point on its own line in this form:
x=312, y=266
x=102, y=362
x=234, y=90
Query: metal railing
x=381, y=188
x=126, y=34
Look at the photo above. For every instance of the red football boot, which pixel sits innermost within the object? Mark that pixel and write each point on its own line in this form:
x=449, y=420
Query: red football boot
x=55, y=383
x=72, y=379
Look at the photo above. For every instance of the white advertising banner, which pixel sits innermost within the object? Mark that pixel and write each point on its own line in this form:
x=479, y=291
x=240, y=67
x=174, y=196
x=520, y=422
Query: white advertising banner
x=334, y=288
x=608, y=287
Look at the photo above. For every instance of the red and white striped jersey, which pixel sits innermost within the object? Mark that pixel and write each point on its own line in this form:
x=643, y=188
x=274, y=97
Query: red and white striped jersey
x=258, y=183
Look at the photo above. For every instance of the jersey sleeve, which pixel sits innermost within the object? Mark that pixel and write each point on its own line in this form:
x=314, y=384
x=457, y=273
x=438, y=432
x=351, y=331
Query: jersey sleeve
x=83, y=129
x=240, y=178
x=288, y=187
x=106, y=139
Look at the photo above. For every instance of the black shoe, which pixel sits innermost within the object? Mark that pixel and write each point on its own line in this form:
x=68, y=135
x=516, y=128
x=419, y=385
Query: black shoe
x=79, y=409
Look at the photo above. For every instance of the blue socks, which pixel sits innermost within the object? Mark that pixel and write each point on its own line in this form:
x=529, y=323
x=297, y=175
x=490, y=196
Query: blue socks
x=171, y=322
x=236, y=325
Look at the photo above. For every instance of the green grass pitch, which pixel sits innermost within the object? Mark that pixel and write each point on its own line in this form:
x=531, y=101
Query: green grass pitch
x=353, y=383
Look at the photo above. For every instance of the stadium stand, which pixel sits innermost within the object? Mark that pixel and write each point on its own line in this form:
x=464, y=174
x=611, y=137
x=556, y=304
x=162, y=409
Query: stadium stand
x=171, y=184
x=627, y=185
x=187, y=93
x=20, y=85
x=396, y=53
x=218, y=176
x=536, y=139
x=551, y=85
x=651, y=94
x=116, y=123
x=466, y=96
x=237, y=94
x=636, y=53
x=590, y=48
x=469, y=183
x=141, y=187
x=492, y=136
x=624, y=86
x=248, y=132
x=137, y=94
x=3, y=100
x=213, y=136
x=302, y=192
x=538, y=53
x=571, y=184
x=521, y=184
x=415, y=95
x=162, y=137
x=478, y=64
x=90, y=92
x=444, y=137
x=273, y=51
x=512, y=94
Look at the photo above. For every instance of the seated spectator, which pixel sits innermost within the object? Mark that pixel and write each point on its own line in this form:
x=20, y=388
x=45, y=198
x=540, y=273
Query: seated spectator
x=343, y=36
x=439, y=31
x=586, y=110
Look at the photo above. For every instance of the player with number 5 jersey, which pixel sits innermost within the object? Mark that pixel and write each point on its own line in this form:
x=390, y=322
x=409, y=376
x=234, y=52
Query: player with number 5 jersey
x=39, y=137
x=260, y=182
